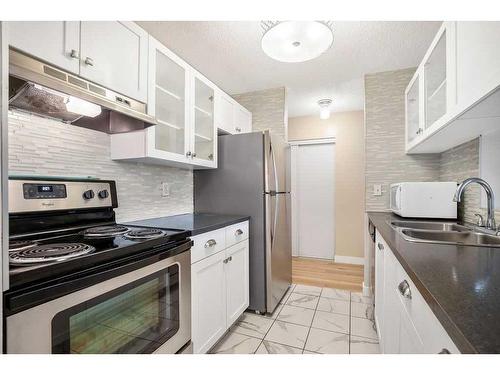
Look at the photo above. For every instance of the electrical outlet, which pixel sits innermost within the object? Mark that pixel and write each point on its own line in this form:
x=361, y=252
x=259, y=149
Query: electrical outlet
x=377, y=189
x=165, y=189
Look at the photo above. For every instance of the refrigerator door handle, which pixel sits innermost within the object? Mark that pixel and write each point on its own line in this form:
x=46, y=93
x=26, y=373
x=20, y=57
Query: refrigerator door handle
x=275, y=223
x=271, y=149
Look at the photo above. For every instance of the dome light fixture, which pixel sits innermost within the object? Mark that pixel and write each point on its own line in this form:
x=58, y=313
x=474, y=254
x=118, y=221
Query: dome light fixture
x=324, y=108
x=296, y=41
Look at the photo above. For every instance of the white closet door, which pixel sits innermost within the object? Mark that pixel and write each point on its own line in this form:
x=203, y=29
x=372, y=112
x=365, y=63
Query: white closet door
x=315, y=200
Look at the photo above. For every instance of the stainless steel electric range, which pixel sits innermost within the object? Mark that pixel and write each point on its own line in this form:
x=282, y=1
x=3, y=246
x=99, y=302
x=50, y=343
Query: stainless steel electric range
x=80, y=283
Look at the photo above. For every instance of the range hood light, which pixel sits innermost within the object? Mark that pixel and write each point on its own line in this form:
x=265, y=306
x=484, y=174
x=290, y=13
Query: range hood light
x=82, y=107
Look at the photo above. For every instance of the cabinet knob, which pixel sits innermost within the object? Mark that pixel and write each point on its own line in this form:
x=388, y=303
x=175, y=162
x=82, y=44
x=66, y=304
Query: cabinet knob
x=74, y=54
x=210, y=243
x=238, y=130
x=89, y=61
x=193, y=155
x=188, y=154
x=444, y=351
x=238, y=232
x=404, y=289
x=380, y=246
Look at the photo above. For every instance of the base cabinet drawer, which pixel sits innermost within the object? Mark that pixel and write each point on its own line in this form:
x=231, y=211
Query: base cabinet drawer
x=236, y=233
x=207, y=244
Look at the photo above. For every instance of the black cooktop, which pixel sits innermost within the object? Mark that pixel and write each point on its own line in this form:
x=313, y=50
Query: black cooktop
x=36, y=257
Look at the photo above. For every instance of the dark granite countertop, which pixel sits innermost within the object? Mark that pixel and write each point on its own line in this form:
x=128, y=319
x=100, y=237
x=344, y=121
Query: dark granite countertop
x=196, y=223
x=461, y=284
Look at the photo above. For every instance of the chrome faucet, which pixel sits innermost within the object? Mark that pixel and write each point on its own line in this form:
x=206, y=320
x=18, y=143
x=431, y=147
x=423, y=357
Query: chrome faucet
x=490, y=221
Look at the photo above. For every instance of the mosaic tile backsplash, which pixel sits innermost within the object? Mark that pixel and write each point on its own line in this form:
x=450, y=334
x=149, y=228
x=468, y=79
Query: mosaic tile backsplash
x=39, y=146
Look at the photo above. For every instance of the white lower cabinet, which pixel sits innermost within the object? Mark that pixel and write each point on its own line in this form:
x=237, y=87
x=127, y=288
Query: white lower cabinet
x=405, y=322
x=219, y=286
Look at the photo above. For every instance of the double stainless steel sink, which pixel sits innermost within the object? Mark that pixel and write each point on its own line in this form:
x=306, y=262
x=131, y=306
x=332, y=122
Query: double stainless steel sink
x=445, y=233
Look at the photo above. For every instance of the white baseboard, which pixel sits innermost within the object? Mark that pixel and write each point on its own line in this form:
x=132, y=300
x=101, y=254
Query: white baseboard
x=366, y=290
x=349, y=260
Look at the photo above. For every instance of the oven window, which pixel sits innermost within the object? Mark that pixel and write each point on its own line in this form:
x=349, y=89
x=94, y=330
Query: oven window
x=136, y=318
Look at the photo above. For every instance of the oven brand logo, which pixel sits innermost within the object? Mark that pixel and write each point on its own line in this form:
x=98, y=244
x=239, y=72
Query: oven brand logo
x=48, y=204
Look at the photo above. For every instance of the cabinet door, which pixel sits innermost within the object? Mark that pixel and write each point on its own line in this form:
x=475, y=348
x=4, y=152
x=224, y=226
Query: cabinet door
x=224, y=113
x=243, y=120
x=478, y=61
x=237, y=283
x=413, y=106
x=379, y=285
x=439, y=73
x=204, y=132
x=208, y=302
x=409, y=340
x=115, y=54
x=168, y=93
x=57, y=42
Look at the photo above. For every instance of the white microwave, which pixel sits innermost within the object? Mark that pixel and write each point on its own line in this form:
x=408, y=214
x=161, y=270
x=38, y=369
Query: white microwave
x=424, y=199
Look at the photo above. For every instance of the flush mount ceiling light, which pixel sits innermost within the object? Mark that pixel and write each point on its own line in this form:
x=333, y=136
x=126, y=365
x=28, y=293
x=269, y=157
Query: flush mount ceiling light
x=296, y=41
x=324, y=108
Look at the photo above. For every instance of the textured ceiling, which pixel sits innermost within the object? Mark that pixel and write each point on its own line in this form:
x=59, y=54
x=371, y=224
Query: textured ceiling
x=229, y=54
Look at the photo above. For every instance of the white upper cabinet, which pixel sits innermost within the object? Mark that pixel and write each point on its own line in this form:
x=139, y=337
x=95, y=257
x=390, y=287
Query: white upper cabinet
x=230, y=116
x=57, y=42
x=459, y=78
x=414, y=126
x=478, y=60
x=111, y=53
x=204, y=136
x=115, y=54
x=182, y=102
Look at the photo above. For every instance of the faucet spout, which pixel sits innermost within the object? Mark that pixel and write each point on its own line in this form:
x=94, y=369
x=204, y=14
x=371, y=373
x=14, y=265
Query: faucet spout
x=490, y=221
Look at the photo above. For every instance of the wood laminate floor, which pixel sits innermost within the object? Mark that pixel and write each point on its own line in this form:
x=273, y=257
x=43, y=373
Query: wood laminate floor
x=327, y=274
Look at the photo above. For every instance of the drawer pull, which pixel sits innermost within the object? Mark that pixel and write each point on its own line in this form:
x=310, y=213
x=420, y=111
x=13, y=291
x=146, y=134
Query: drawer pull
x=239, y=232
x=210, y=243
x=404, y=289
x=380, y=246
x=444, y=351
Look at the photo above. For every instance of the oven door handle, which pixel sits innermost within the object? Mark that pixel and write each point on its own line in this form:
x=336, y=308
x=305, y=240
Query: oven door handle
x=19, y=300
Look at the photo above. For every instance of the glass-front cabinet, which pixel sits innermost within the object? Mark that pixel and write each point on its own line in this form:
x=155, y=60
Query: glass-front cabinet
x=431, y=93
x=435, y=82
x=182, y=102
x=413, y=119
x=204, y=130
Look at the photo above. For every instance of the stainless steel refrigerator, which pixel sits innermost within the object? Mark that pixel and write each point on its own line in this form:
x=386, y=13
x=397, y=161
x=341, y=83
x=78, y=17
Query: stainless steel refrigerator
x=251, y=179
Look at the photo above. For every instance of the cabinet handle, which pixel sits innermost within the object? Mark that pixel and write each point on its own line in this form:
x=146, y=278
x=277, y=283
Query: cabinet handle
x=89, y=61
x=380, y=246
x=239, y=232
x=74, y=54
x=227, y=260
x=188, y=154
x=210, y=243
x=444, y=351
x=238, y=130
x=404, y=289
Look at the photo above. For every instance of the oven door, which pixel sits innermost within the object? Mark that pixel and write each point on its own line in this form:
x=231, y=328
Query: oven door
x=144, y=311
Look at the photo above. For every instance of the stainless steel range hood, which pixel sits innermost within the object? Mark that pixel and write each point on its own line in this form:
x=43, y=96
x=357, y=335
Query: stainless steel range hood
x=37, y=87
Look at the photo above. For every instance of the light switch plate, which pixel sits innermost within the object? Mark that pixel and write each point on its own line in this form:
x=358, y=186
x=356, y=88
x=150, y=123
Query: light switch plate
x=377, y=189
x=165, y=189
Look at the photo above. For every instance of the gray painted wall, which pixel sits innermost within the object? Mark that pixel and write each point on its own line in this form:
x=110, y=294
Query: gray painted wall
x=39, y=146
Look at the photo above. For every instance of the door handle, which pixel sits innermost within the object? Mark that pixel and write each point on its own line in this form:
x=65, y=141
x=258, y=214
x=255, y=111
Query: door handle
x=210, y=243
x=89, y=61
x=404, y=289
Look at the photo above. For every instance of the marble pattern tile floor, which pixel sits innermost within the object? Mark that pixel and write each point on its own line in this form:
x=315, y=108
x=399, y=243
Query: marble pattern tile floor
x=309, y=320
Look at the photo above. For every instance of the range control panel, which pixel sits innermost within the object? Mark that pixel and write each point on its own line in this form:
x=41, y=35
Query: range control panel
x=44, y=191
x=38, y=195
